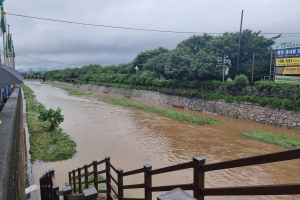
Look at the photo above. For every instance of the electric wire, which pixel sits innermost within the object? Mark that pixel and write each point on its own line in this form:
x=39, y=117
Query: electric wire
x=125, y=28
x=45, y=60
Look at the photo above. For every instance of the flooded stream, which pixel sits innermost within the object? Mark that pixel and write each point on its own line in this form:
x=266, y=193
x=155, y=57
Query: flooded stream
x=133, y=138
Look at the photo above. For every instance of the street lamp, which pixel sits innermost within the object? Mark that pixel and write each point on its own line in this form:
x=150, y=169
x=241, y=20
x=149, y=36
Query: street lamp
x=254, y=54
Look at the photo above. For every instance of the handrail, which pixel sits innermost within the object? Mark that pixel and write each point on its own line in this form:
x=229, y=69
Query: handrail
x=101, y=161
x=132, y=172
x=135, y=186
x=199, y=169
x=112, y=177
x=172, y=168
x=171, y=187
x=254, y=160
x=283, y=189
x=111, y=165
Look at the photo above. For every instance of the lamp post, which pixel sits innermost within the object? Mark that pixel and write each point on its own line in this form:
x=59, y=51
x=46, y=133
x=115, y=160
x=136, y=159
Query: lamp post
x=253, y=68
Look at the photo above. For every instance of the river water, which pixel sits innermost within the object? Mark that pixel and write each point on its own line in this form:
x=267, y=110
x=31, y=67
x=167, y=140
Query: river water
x=133, y=138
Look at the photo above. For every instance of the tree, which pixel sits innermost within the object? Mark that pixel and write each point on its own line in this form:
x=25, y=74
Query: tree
x=144, y=56
x=53, y=116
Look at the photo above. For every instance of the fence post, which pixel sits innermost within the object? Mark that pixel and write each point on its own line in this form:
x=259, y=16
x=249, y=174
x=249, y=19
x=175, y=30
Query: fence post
x=70, y=179
x=198, y=161
x=95, y=174
x=86, y=177
x=74, y=181
x=120, y=183
x=55, y=188
x=51, y=173
x=41, y=187
x=47, y=185
x=79, y=180
x=107, y=167
x=148, y=182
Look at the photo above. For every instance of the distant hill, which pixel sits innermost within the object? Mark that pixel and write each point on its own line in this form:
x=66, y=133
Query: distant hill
x=33, y=70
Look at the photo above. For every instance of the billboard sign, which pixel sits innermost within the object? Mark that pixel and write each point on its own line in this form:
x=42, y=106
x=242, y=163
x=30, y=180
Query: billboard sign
x=288, y=53
x=288, y=61
x=283, y=46
x=287, y=79
x=291, y=70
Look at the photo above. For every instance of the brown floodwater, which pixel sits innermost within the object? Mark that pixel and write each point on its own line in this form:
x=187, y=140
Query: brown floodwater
x=133, y=138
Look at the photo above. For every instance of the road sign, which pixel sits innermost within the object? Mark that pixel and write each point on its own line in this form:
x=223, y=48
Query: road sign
x=283, y=46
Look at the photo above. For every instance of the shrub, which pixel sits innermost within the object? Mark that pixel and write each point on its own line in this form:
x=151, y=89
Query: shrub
x=241, y=81
x=53, y=116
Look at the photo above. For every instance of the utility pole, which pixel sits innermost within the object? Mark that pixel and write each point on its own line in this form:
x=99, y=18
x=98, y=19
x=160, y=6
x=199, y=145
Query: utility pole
x=223, y=63
x=240, y=38
x=253, y=68
x=223, y=68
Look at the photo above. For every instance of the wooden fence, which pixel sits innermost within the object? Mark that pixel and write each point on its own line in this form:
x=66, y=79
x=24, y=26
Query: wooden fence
x=87, y=176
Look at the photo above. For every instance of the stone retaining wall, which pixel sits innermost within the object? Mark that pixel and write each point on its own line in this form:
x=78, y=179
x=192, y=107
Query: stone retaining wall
x=12, y=149
x=246, y=110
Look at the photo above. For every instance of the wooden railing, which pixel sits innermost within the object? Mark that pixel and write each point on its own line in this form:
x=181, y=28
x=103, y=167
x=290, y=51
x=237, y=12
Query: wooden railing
x=80, y=181
x=48, y=187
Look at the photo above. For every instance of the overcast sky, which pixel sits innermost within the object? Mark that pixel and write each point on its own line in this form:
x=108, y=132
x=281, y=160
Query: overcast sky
x=82, y=45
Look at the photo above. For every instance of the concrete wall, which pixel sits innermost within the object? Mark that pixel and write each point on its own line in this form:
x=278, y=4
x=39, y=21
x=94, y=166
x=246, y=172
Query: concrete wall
x=245, y=110
x=12, y=149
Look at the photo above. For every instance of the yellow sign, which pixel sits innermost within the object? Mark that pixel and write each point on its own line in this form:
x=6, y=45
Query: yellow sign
x=288, y=61
x=291, y=70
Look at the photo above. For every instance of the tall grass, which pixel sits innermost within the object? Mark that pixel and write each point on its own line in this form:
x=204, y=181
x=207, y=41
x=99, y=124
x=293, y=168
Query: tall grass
x=176, y=115
x=273, y=138
x=45, y=145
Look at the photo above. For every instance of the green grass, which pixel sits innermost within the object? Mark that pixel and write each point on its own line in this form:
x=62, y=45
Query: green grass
x=179, y=116
x=45, y=145
x=273, y=138
x=73, y=91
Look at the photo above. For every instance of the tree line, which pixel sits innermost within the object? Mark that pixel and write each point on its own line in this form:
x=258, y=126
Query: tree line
x=193, y=60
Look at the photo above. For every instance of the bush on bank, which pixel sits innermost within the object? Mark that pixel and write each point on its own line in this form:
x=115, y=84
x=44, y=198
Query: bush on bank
x=179, y=116
x=46, y=144
x=273, y=138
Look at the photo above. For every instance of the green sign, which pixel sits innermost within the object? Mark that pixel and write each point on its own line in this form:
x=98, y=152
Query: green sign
x=287, y=79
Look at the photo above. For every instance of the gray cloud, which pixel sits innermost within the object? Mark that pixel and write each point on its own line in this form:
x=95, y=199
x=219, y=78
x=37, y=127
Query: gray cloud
x=95, y=45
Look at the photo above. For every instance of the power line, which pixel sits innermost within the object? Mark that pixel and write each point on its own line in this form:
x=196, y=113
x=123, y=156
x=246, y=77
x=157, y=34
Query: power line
x=126, y=28
x=44, y=60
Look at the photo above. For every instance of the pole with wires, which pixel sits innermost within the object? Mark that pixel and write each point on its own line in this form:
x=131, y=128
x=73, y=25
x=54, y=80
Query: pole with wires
x=3, y=29
x=7, y=48
x=240, y=38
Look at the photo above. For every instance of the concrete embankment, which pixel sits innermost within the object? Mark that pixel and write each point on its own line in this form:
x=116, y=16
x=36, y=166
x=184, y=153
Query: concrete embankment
x=244, y=110
x=12, y=149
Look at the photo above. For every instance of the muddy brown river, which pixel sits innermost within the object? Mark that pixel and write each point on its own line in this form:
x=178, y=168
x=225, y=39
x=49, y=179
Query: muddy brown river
x=133, y=138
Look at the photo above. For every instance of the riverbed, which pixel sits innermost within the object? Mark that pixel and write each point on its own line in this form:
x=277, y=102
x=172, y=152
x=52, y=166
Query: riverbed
x=133, y=138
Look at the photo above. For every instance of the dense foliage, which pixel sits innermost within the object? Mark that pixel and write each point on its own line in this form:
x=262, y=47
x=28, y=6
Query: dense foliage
x=54, y=117
x=193, y=59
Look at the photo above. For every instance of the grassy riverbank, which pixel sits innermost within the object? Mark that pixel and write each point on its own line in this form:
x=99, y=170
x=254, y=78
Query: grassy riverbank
x=273, y=138
x=176, y=115
x=45, y=144
x=179, y=116
x=72, y=91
